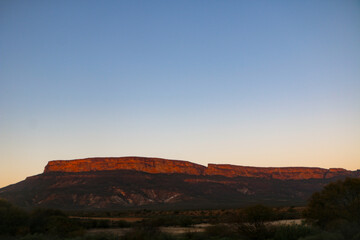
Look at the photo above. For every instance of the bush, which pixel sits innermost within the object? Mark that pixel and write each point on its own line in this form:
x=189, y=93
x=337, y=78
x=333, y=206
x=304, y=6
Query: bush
x=198, y=236
x=35, y=237
x=292, y=232
x=324, y=236
x=121, y=224
x=146, y=233
x=182, y=221
x=102, y=236
x=338, y=200
x=251, y=222
x=221, y=231
x=345, y=228
x=13, y=221
x=53, y=222
x=336, y=209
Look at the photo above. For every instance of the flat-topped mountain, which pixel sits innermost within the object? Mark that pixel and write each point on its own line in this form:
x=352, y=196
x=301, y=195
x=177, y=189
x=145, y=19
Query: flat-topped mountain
x=159, y=165
x=142, y=164
x=138, y=182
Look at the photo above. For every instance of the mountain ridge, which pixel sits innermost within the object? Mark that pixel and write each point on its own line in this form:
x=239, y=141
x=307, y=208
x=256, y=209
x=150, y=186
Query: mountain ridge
x=161, y=165
x=138, y=182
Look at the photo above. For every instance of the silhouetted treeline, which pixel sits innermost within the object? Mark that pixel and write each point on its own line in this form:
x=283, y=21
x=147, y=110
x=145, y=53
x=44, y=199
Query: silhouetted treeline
x=17, y=222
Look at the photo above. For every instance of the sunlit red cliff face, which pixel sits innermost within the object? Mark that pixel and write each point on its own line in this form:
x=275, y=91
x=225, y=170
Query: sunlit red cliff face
x=149, y=165
x=158, y=165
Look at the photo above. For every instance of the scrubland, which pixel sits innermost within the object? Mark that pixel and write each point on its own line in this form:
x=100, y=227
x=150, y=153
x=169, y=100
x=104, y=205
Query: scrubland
x=333, y=213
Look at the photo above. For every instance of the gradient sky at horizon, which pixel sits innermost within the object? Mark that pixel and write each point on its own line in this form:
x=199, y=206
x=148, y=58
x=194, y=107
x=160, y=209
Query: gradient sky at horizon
x=255, y=83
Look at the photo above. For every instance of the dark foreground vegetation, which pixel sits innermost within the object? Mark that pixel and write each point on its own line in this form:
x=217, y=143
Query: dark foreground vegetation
x=333, y=213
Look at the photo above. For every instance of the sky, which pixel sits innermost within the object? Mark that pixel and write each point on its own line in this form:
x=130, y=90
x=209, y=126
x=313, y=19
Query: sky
x=253, y=83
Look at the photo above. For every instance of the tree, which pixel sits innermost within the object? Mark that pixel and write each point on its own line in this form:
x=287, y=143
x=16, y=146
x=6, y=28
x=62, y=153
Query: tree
x=337, y=201
x=252, y=222
x=258, y=214
x=13, y=221
x=53, y=222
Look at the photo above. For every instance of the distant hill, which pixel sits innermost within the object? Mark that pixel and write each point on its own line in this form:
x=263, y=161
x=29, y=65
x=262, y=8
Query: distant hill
x=138, y=182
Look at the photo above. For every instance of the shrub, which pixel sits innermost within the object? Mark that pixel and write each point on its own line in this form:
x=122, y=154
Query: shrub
x=324, y=236
x=345, y=228
x=251, y=222
x=258, y=214
x=102, y=236
x=221, y=231
x=54, y=222
x=182, y=221
x=338, y=200
x=292, y=232
x=146, y=233
x=13, y=221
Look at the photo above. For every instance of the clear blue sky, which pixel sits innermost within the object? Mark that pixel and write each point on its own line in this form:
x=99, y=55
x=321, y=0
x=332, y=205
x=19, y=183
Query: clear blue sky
x=259, y=83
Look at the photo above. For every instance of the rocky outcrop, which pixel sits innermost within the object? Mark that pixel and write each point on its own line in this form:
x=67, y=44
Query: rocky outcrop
x=158, y=165
x=296, y=173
